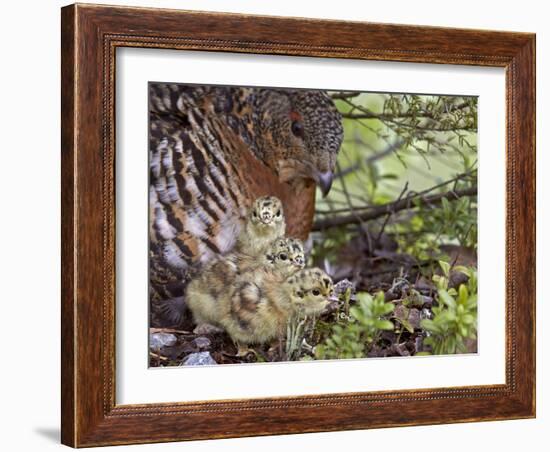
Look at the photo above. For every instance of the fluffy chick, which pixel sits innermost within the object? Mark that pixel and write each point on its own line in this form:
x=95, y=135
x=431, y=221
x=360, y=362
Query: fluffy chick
x=257, y=311
x=310, y=291
x=284, y=256
x=211, y=290
x=265, y=223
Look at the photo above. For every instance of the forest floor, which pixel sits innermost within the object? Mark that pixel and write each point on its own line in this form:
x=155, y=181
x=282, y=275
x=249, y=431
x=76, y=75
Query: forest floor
x=405, y=282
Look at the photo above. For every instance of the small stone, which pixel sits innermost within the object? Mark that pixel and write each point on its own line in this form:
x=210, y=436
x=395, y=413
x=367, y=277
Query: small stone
x=202, y=342
x=426, y=301
x=391, y=295
x=457, y=278
x=424, y=285
x=159, y=340
x=199, y=359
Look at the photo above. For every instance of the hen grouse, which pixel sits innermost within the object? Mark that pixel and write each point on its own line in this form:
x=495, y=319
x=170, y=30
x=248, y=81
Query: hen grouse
x=213, y=151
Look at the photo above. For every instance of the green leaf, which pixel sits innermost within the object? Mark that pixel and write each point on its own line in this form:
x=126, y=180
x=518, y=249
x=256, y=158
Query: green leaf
x=447, y=317
x=463, y=330
x=388, y=308
x=383, y=325
x=462, y=269
x=444, y=297
x=407, y=325
x=462, y=295
x=430, y=325
x=445, y=266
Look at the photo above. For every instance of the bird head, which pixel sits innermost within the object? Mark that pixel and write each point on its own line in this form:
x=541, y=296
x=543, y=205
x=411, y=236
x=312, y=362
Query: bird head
x=301, y=133
x=310, y=290
x=267, y=213
x=286, y=255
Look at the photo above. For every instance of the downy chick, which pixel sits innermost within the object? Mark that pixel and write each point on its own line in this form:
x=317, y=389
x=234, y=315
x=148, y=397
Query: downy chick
x=264, y=224
x=209, y=292
x=277, y=257
x=257, y=311
x=311, y=290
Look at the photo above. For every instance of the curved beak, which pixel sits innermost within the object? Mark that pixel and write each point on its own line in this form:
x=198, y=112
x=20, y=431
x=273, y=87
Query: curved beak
x=324, y=181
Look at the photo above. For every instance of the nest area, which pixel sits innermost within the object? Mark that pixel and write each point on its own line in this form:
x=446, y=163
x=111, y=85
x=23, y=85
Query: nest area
x=405, y=283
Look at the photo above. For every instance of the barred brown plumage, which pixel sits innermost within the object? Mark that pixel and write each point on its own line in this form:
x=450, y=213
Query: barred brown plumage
x=253, y=304
x=213, y=151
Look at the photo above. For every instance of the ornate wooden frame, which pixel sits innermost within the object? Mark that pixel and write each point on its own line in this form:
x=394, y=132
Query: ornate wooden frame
x=90, y=35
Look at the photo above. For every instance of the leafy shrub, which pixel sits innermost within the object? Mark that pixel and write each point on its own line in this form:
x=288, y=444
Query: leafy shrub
x=455, y=317
x=353, y=337
x=450, y=223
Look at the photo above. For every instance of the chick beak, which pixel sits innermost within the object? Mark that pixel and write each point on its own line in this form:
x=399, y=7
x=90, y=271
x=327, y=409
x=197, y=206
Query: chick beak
x=324, y=180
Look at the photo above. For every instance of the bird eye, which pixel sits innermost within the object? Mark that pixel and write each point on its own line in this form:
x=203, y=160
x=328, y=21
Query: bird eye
x=254, y=214
x=297, y=128
x=315, y=292
x=278, y=213
x=283, y=256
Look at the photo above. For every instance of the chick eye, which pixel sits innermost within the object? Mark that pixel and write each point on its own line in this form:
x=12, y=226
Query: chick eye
x=283, y=256
x=254, y=214
x=315, y=292
x=297, y=129
x=278, y=213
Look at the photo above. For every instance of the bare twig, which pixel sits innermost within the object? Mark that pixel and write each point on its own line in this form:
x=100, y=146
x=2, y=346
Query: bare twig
x=159, y=356
x=169, y=330
x=405, y=188
x=368, y=114
x=453, y=180
x=345, y=94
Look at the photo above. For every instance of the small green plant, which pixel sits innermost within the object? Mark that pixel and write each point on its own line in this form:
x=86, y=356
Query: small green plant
x=353, y=336
x=455, y=317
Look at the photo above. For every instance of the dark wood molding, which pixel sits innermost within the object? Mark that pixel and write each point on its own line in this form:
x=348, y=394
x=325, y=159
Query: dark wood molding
x=90, y=36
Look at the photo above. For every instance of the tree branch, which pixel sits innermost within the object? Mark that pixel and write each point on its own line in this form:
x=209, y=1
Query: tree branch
x=471, y=173
x=368, y=114
x=345, y=94
x=365, y=113
x=392, y=207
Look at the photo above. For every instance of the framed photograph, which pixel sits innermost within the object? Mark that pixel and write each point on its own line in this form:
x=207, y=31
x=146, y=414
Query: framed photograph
x=281, y=225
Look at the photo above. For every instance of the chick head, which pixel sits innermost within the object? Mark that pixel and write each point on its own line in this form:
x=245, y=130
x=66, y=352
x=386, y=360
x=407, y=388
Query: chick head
x=286, y=255
x=310, y=290
x=267, y=213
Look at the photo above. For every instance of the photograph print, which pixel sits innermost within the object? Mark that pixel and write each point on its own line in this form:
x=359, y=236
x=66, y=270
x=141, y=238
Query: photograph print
x=298, y=225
